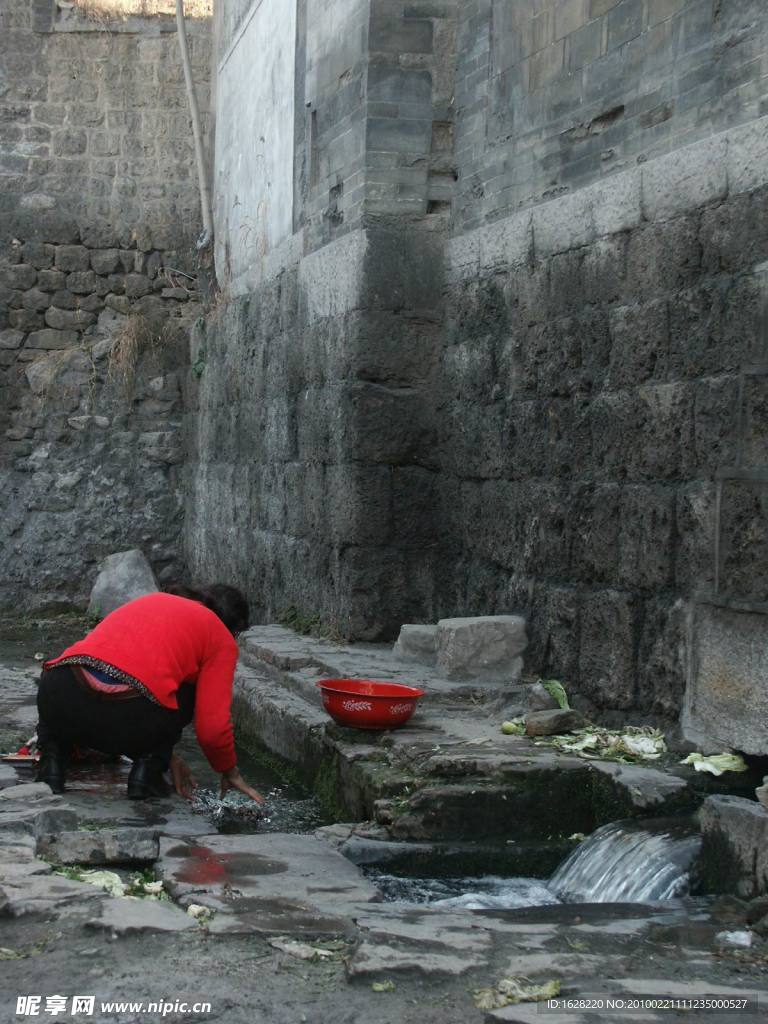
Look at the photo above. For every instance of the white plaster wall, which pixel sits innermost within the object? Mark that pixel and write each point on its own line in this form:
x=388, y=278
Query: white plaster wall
x=253, y=178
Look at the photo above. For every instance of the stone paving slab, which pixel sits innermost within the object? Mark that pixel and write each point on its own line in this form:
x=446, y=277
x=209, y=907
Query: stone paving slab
x=376, y=959
x=122, y=916
x=270, y=883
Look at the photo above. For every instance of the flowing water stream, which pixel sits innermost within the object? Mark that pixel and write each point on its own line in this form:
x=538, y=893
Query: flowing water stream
x=623, y=862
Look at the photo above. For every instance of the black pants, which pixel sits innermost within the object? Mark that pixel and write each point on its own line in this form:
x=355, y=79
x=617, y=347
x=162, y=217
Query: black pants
x=71, y=714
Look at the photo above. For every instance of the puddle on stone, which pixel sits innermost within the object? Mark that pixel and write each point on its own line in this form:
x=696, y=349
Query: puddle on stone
x=203, y=866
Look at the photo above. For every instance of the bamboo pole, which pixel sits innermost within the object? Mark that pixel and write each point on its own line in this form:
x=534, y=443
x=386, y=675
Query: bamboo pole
x=194, y=109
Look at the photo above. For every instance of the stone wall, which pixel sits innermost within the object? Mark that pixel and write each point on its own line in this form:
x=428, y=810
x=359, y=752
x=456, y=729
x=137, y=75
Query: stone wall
x=98, y=213
x=591, y=384
x=601, y=424
x=544, y=397
x=554, y=94
x=316, y=490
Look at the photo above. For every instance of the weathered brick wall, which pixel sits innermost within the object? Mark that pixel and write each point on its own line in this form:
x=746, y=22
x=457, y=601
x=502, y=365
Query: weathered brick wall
x=410, y=168
x=98, y=212
x=556, y=93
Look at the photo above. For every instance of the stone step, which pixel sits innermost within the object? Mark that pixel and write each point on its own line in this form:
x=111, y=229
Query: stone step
x=450, y=774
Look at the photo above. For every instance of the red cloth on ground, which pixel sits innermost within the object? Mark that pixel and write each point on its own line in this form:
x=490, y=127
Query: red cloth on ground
x=163, y=641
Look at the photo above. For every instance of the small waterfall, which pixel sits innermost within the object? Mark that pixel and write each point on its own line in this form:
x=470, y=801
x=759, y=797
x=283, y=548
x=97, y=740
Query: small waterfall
x=629, y=862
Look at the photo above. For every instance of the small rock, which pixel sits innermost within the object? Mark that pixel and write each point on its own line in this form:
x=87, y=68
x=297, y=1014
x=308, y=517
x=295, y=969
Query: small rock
x=762, y=792
x=51, y=339
x=105, y=261
x=11, y=339
x=540, y=699
x=122, y=578
x=757, y=909
x=137, y=285
x=72, y=257
x=79, y=422
x=119, y=303
x=740, y=939
x=553, y=723
x=69, y=319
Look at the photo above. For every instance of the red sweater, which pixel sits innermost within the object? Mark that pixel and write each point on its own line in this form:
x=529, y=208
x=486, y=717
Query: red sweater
x=164, y=641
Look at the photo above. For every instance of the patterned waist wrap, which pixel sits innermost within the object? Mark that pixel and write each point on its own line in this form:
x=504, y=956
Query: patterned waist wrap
x=107, y=680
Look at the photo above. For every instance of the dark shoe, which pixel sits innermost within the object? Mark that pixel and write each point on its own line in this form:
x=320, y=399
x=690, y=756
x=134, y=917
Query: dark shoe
x=53, y=767
x=146, y=778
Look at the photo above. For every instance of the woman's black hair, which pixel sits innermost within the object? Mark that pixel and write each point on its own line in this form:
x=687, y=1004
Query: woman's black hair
x=229, y=603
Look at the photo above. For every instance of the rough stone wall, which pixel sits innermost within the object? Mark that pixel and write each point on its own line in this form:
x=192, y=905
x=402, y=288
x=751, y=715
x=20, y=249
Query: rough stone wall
x=317, y=491
x=548, y=399
x=590, y=396
x=311, y=432
x=95, y=131
x=97, y=213
x=602, y=418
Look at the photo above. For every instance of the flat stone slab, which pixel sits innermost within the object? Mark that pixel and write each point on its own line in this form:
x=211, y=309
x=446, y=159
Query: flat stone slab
x=376, y=958
x=136, y=917
x=170, y=816
x=101, y=846
x=646, y=789
x=456, y=932
x=33, y=809
x=46, y=894
x=481, y=646
x=269, y=883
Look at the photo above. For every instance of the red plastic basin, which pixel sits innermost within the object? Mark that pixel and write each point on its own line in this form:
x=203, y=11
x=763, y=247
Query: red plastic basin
x=365, y=704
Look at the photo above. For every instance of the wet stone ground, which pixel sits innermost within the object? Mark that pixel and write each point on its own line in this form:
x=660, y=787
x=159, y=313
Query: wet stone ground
x=285, y=892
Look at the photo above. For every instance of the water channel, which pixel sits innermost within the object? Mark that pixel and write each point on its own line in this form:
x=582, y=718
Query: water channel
x=623, y=862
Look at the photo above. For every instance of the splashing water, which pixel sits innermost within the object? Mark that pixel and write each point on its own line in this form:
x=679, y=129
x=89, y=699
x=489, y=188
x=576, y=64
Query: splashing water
x=235, y=813
x=624, y=862
x=487, y=892
x=629, y=862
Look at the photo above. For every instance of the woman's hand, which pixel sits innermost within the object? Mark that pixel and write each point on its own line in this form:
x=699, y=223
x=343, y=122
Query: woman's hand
x=183, y=781
x=232, y=779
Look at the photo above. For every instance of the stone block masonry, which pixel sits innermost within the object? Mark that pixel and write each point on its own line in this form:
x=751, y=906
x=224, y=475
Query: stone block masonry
x=602, y=369
x=92, y=363
x=98, y=215
x=503, y=361
x=96, y=145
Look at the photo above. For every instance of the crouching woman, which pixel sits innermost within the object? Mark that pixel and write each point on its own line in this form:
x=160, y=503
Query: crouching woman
x=133, y=684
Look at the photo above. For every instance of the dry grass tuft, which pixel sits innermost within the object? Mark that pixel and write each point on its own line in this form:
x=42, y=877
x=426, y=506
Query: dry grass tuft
x=135, y=337
x=116, y=10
